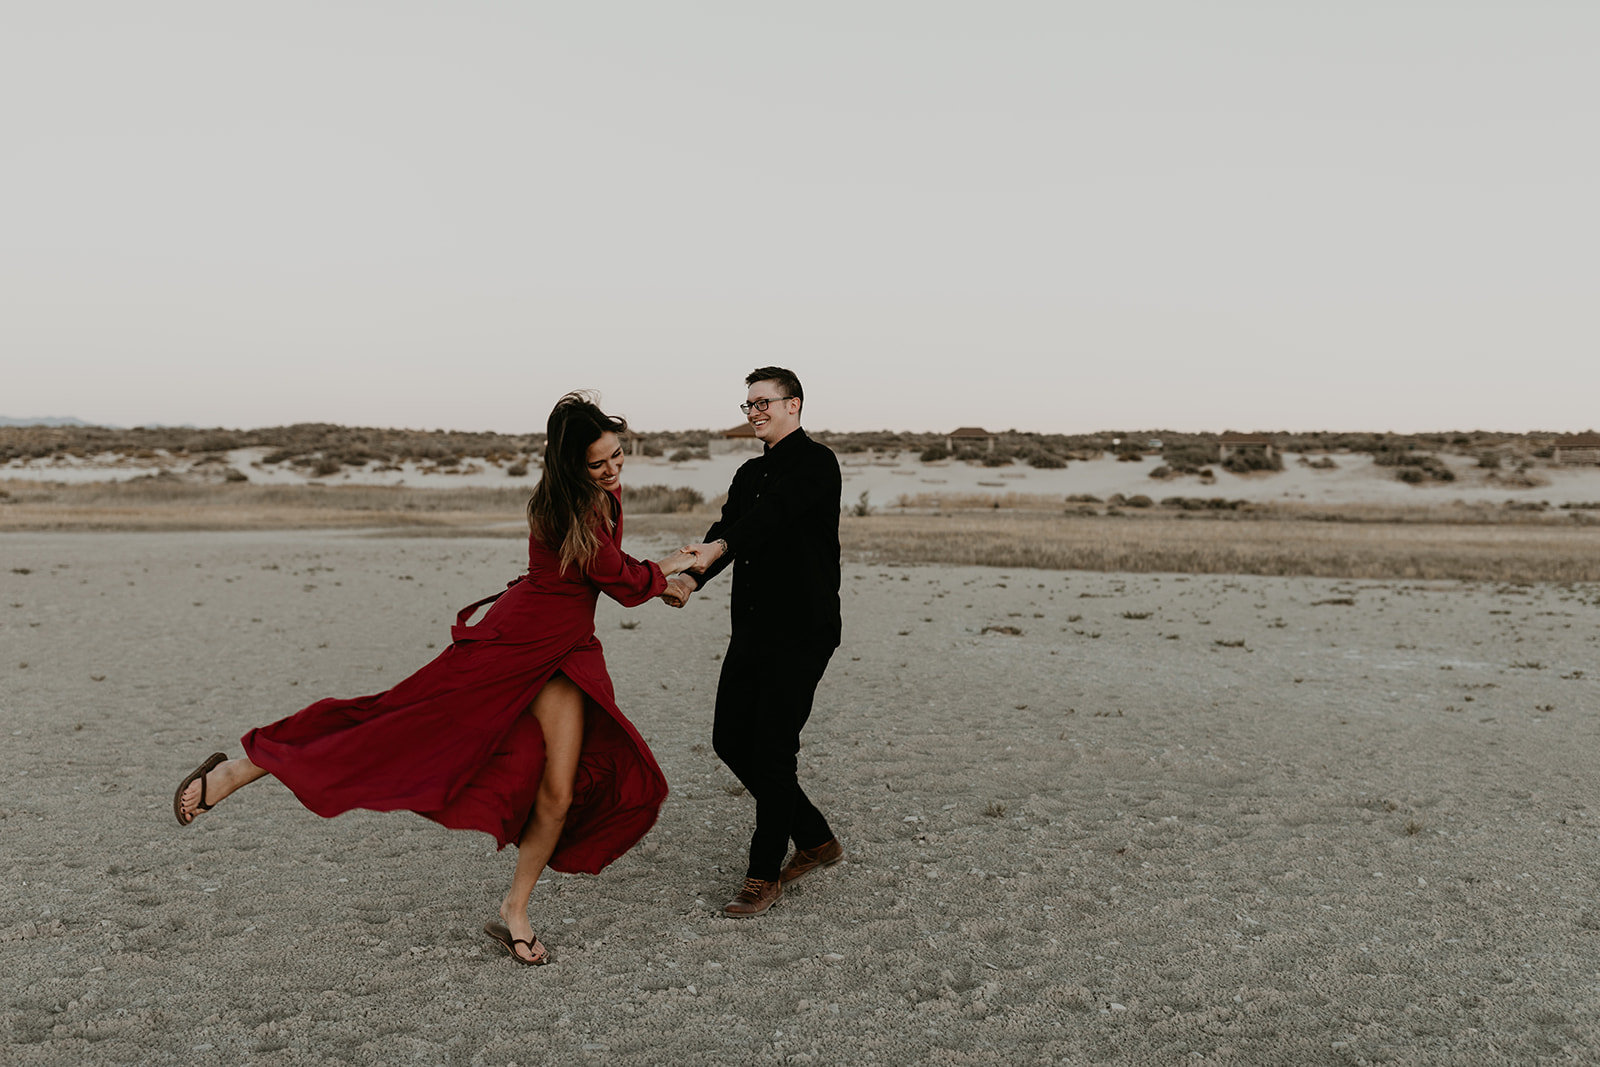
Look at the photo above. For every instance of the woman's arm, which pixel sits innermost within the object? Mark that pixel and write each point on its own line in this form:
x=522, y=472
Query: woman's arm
x=631, y=582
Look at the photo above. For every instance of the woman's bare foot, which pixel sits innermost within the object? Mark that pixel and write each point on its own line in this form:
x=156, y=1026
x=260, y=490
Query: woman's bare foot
x=516, y=920
x=215, y=784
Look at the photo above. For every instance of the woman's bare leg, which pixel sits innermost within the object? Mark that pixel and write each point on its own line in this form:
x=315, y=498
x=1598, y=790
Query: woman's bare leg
x=220, y=781
x=559, y=709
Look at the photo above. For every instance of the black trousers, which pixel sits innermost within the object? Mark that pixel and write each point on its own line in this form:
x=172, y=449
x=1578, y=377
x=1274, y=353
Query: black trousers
x=763, y=700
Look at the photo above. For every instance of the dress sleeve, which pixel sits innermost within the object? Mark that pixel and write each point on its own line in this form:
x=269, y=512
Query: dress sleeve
x=628, y=581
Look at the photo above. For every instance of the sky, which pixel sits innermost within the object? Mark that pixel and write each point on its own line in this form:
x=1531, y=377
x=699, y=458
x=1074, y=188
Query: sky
x=1044, y=215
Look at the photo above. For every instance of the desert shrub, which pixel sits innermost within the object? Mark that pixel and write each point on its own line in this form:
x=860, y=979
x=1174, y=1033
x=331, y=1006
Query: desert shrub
x=684, y=455
x=1163, y=472
x=214, y=441
x=659, y=499
x=968, y=454
x=1243, y=461
x=518, y=469
x=934, y=453
x=1139, y=500
x=1083, y=498
x=1198, y=503
x=649, y=448
x=1544, y=453
x=448, y=461
x=1116, y=499
x=1042, y=460
x=996, y=459
x=1322, y=463
x=325, y=466
x=1414, y=468
x=1489, y=461
x=863, y=507
x=1130, y=457
x=280, y=456
x=1188, y=459
x=233, y=474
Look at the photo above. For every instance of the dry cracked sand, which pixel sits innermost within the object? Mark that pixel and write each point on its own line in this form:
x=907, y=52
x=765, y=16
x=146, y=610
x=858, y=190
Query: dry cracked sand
x=1089, y=818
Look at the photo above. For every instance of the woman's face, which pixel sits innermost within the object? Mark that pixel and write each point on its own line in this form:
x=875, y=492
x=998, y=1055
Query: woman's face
x=605, y=461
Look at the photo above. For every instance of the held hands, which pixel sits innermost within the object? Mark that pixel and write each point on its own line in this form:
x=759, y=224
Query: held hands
x=678, y=591
x=705, y=554
x=694, y=558
x=678, y=562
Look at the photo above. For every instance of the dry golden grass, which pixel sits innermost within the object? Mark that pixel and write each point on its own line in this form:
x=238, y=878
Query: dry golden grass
x=1352, y=542
x=157, y=504
x=170, y=504
x=1263, y=546
x=1453, y=512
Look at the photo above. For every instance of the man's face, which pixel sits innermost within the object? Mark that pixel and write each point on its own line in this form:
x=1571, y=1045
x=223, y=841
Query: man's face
x=782, y=416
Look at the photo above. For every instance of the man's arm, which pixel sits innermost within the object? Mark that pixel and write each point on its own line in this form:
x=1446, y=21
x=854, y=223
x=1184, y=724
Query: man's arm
x=731, y=509
x=813, y=483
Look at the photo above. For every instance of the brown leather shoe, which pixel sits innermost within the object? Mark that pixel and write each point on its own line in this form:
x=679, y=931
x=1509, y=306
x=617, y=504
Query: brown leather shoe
x=806, y=860
x=756, y=897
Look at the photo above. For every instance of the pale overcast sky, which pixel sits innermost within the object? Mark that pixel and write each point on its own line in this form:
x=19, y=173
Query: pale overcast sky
x=1055, y=216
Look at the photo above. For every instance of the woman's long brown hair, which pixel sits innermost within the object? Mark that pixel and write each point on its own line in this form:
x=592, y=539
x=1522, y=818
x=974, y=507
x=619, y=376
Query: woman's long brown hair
x=566, y=505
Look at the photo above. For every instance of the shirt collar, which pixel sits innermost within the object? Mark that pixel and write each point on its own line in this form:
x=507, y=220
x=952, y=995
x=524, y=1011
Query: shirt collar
x=799, y=431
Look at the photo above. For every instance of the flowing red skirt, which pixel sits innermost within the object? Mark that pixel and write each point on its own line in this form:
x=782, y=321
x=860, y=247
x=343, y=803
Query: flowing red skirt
x=457, y=743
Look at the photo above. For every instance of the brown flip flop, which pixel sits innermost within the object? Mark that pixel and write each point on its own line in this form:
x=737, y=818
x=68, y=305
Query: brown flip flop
x=502, y=933
x=200, y=772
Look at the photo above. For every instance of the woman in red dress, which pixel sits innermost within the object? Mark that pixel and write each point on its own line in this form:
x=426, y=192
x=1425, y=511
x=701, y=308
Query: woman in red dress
x=513, y=729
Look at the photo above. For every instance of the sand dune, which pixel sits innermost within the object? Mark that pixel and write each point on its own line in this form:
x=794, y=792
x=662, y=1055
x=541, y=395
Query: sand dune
x=1090, y=818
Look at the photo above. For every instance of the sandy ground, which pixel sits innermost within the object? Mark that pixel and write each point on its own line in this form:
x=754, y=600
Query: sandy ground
x=1090, y=818
x=885, y=478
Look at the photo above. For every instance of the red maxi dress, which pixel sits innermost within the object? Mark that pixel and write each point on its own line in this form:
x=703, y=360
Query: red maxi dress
x=457, y=743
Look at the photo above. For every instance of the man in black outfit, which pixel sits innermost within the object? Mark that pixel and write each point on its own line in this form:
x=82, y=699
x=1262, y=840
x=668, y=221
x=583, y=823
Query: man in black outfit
x=781, y=523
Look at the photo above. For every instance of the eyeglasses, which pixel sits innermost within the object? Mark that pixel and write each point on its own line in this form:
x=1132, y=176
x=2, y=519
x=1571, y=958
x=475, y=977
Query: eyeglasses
x=761, y=405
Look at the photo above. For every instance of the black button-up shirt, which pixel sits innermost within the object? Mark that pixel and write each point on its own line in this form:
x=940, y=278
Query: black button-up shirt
x=781, y=522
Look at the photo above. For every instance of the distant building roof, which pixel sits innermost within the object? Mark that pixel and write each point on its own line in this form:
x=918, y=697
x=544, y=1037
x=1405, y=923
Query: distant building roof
x=1231, y=438
x=1582, y=440
x=971, y=431
x=744, y=429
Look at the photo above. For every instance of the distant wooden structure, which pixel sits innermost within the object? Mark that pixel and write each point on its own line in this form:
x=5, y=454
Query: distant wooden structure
x=1231, y=442
x=1582, y=450
x=735, y=439
x=970, y=435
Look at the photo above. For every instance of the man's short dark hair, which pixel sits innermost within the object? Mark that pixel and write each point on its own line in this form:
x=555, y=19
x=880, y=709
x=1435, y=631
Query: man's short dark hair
x=787, y=380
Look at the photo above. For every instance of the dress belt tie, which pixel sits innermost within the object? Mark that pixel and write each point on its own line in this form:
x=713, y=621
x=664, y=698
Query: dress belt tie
x=462, y=632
